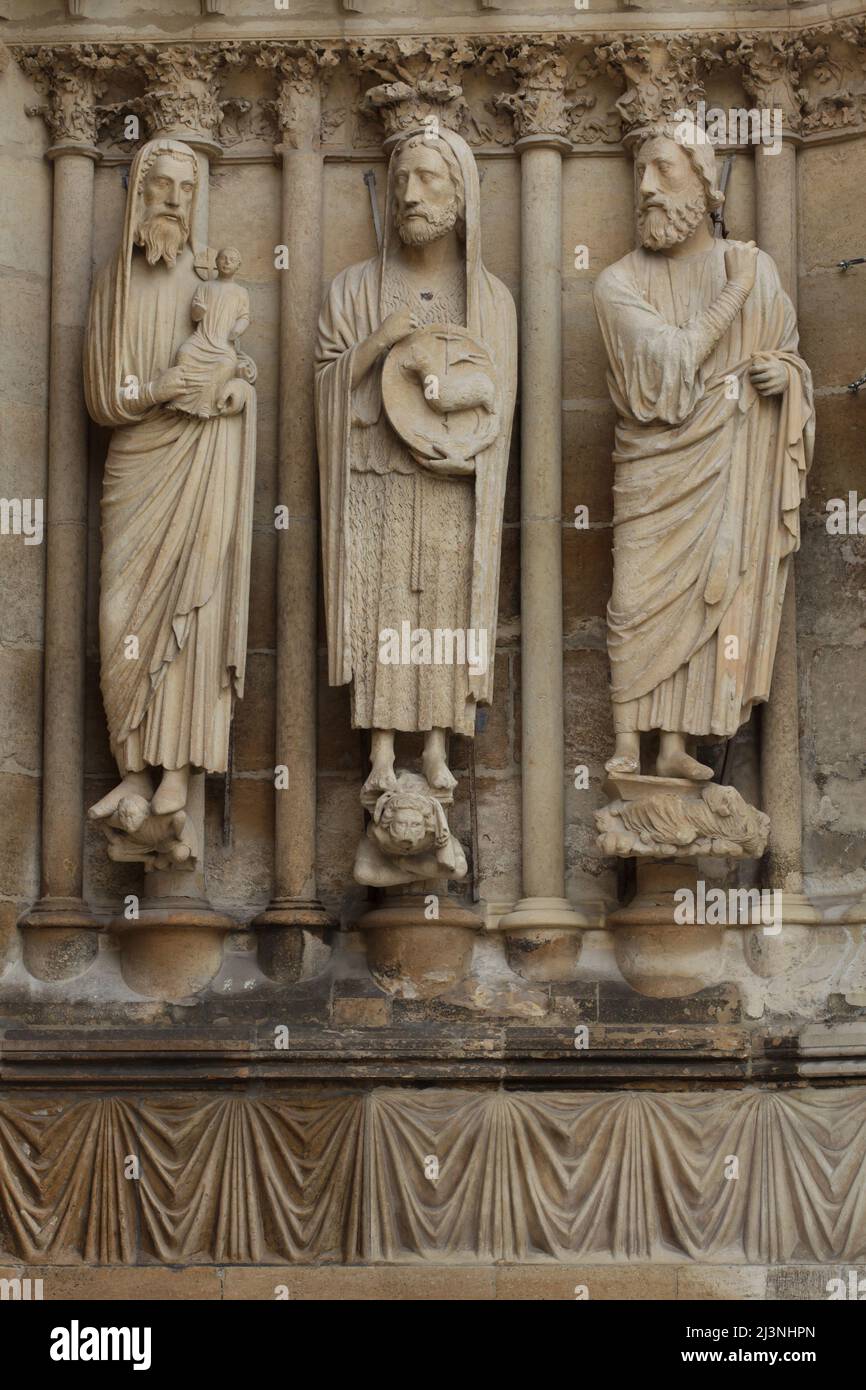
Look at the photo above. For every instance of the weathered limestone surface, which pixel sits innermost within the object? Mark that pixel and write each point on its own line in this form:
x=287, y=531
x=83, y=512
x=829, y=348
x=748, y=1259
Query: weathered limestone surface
x=292, y=122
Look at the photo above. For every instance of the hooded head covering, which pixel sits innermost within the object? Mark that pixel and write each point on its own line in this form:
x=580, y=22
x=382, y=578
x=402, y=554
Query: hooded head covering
x=109, y=313
x=459, y=159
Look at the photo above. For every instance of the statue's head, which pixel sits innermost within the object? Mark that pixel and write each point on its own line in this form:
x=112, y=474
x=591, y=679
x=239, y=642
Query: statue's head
x=429, y=199
x=165, y=196
x=132, y=812
x=228, y=262
x=408, y=823
x=676, y=186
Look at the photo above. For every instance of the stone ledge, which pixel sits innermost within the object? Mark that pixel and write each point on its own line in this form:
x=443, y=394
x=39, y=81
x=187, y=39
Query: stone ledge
x=635, y=1282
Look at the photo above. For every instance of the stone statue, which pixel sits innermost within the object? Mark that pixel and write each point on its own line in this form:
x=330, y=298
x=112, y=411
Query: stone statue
x=407, y=837
x=159, y=842
x=177, y=496
x=415, y=389
x=713, y=441
x=209, y=356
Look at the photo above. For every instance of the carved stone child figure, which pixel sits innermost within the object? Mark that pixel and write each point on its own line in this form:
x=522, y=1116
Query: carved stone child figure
x=209, y=357
x=158, y=841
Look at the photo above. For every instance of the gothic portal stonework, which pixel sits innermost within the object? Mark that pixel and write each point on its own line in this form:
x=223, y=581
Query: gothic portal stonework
x=433, y=761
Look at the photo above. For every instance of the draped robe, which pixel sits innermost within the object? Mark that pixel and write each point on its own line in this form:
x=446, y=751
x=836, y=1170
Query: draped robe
x=176, y=522
x=400, y=543
x=709, y=476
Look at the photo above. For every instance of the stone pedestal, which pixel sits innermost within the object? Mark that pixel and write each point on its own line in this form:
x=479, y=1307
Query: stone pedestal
x=173, y=946
x=656, y=955
x=412, y=953
x=666, y=823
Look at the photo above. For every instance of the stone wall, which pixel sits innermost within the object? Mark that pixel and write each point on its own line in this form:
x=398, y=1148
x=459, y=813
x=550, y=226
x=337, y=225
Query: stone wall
x=597, y=213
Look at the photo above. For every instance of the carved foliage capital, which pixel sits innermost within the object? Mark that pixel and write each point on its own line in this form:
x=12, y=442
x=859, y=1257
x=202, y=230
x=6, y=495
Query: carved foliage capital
x=417, y=79
x=182, y=92
x=771, y=69
x=540, y=104
x=73, y=79
x=661, y=77
x=300, y=70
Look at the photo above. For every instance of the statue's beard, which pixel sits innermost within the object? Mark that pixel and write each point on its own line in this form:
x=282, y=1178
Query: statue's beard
x=427, y=224
x=660, y=227
x=163, y=238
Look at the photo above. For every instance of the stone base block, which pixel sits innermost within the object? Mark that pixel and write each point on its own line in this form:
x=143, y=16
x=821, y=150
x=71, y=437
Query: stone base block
x=656, y=955
x=415, y=956
x=60, y=940
x=173, y=949
x=293, y=940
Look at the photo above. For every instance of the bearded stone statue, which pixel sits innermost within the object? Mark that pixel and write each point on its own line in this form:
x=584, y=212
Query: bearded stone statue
x=714, y=436
x=415, y=389
x=177, y=495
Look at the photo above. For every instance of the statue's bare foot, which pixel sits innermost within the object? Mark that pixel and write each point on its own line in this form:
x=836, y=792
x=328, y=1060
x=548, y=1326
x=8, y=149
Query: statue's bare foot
x=679, y=764
x=621, y=763
x=133, y=784
x=381, y=779
x=171, y=794
x=437, y=773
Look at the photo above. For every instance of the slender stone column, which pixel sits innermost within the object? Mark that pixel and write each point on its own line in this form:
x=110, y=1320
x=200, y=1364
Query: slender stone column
x=59, y=935
x=776, y=209
x=542, y=940
x=291, y=928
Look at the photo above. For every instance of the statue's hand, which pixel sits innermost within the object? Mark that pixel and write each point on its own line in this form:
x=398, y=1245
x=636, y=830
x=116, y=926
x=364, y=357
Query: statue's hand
x=398, y=326
x=233, y=397
x=741, y=264
x=768, y=375
x=247, y=368
x=170, y=384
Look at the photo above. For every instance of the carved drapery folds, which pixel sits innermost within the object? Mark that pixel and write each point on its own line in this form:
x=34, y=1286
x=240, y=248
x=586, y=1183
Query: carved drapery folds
x=589, y=89
x=307, y=1177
